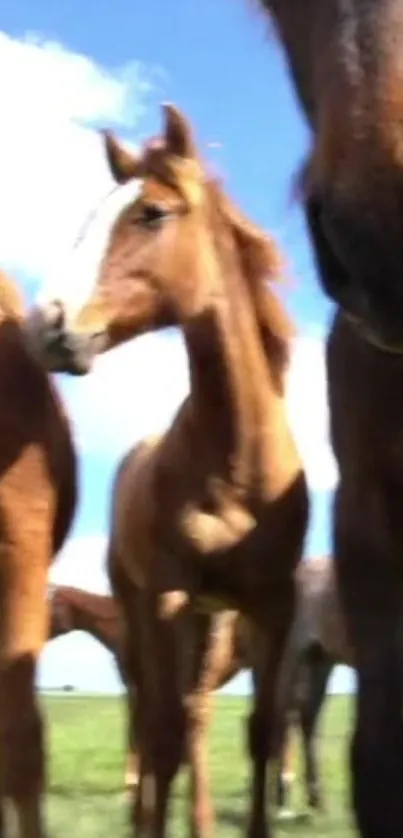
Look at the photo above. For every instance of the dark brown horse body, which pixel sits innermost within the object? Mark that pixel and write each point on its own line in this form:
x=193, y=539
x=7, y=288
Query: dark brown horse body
x=37, y=500
x=366, y=416
x=345, y=61
x=212, y=515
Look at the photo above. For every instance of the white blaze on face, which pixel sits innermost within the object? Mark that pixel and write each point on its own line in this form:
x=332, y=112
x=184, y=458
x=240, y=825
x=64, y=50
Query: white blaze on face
x=78, y=275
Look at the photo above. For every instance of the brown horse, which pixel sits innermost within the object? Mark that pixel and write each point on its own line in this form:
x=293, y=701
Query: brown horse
x=37, y=501
x=345, y=63
x=213, y=514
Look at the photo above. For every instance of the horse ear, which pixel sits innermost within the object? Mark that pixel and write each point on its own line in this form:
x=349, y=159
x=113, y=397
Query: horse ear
x=122, y=163
x=177, y=131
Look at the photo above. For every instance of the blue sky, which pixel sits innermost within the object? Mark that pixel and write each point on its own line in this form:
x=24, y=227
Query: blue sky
x=74, y=67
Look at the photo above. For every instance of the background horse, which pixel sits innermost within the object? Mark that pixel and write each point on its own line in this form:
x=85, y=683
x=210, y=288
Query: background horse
x=212, y=515
x=37, y=501
x=320, y=643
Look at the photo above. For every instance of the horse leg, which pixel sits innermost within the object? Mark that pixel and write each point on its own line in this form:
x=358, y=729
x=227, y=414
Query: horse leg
x=163, y=645
x=132, y=762
x=212, y=658
x=318, y=667
x=371, y=600
x=136, y=729
x=132, y=770
x=287, y=717
x=285, y=771
x=130, y=669
x=134, y=785
x=273, y=623
x=23, y=631
x=129, y=665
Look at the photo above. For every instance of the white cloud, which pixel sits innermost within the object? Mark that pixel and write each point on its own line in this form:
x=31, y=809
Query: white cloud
x=133, y=391
x=136, y=389
x=63, y=84
x=52, y=167
x=308, y=411
x=81, y=562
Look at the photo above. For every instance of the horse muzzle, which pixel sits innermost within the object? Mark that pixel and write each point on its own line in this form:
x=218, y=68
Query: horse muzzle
x=58, y=347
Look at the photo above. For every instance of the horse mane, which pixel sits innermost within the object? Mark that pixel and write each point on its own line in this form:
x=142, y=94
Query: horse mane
x=99, y=606
x=260, y=262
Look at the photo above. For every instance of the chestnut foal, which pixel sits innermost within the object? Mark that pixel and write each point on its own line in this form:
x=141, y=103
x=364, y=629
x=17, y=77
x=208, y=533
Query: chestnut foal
x=213, y=514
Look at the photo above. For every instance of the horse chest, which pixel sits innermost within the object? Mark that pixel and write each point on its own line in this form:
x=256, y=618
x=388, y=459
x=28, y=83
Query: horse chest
x=208, y=533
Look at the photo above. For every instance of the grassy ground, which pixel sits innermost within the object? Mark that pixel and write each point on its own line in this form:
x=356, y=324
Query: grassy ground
x=87, y=759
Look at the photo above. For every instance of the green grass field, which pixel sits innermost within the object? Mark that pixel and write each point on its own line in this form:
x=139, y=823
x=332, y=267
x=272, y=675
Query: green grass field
x=86, y=742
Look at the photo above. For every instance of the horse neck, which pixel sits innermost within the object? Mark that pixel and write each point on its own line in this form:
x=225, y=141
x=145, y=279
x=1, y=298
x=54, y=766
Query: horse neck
x=233, y=394
x=87, y=615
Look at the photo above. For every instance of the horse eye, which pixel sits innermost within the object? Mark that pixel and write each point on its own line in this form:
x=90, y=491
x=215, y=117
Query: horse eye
x=153, y=215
